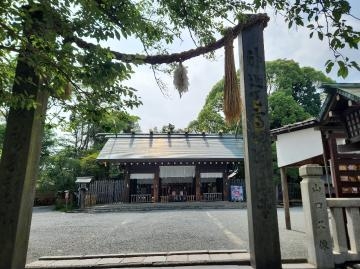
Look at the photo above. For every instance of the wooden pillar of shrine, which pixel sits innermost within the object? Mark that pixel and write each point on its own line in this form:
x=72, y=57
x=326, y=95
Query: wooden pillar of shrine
x=126, y=196
x=197, y=184
x=156, y=182
x=285, y=195
x=225, y=186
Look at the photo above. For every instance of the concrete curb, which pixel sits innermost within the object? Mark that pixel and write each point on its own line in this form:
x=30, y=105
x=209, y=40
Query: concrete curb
x=153, y=259
x=139, y=254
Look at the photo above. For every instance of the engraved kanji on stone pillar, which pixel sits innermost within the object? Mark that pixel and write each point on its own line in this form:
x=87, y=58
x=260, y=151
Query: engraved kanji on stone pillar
x=261, y=205
x=319, y=242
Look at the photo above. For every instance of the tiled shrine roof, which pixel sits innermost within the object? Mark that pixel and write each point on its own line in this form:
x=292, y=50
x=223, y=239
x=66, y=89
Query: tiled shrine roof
x=170, y=147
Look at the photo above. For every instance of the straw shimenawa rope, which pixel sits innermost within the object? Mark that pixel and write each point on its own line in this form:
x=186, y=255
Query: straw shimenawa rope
x=249, y=20
x=232, y=100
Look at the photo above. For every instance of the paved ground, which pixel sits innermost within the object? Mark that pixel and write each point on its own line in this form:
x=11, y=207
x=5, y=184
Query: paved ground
x=56, y=233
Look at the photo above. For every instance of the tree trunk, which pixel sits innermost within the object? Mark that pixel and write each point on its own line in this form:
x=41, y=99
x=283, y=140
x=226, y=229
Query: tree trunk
x=20, y=156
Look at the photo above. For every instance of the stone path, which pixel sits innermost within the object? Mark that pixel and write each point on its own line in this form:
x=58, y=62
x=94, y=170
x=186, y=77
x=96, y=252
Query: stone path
x=237, y=258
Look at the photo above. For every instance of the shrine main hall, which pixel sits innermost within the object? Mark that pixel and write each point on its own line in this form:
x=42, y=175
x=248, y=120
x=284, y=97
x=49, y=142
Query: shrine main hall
x=174, y=167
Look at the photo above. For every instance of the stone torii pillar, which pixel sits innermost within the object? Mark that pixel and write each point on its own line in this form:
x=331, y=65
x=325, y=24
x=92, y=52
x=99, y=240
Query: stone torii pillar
x=261, y=205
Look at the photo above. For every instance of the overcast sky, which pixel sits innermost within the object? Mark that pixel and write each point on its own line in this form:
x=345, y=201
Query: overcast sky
x=280, y=42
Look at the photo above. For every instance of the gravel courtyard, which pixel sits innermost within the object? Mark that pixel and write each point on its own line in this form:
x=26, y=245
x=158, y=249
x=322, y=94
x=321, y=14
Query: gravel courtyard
x=56, y=233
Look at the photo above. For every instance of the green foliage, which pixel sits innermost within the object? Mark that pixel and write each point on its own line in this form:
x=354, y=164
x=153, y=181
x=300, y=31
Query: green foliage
x=90, y=167
x=299, y=98
x=77, y=157
x=60, y=171
x=97, y=77
x=47, y=146
x=328, y=20
x=94, y=71
x=2, y=134
x=302, y=83
x=283, y=110
x=84, y=128
x=211, y=117
x=61, y=205
x=7, y=68
x=99, y=96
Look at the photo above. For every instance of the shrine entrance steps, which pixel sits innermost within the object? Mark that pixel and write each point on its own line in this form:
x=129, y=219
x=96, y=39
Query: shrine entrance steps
x=126, y=207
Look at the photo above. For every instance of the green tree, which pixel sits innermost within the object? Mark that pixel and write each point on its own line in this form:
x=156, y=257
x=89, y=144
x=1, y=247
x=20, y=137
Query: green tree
x=77, y=155
x=84, y=129
x=60, y=172
x=300, y=86
x=211, y=117
x=326, y=20
x=302, y=83
x=62, y=54
x=283, y=110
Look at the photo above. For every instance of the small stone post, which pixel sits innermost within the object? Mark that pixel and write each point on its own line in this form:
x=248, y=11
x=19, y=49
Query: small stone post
x=319, y=242
x=82, y=193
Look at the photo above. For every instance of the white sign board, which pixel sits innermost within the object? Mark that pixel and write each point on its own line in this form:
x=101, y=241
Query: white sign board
x=298, y=146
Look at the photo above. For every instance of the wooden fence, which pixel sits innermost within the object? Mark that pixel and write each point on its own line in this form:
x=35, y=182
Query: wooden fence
x=140, y=198
x=107, y=191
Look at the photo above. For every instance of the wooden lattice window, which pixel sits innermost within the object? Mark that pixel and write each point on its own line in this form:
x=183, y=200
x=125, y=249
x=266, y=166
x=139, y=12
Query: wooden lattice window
x=353, y=125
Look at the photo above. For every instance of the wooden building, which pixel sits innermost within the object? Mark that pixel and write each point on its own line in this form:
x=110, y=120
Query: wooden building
x=174, y=167
x=339, y=123
x=331, y=140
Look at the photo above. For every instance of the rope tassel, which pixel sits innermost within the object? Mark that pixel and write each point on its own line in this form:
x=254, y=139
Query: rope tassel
x=232, y=100
x=181, y=81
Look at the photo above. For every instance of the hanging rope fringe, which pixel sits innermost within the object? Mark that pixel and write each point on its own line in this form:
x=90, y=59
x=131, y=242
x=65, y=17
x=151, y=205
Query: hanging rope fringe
x=181, y=81
x=232, y=100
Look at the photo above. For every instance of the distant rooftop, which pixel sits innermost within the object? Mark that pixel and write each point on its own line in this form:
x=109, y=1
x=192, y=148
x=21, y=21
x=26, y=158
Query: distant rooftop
x=295, y=126
x=166, y=147
x=349, y=90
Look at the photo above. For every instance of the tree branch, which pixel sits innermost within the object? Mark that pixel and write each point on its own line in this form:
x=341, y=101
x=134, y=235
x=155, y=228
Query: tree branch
x=11, y=48
x=251, y=20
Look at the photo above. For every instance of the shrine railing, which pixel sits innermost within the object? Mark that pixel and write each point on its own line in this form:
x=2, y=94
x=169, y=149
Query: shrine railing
x=140, y=198
x=345, y=223
x=177, y=198
x=329, y=242
x=216, y=196
x=164, y=199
